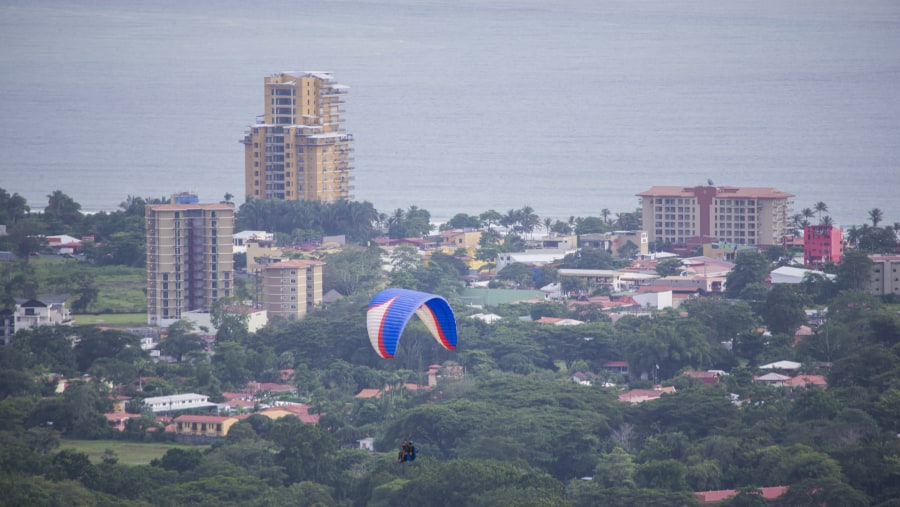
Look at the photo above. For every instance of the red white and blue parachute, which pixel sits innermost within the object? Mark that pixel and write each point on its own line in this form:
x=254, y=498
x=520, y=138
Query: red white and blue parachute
x=391, y=309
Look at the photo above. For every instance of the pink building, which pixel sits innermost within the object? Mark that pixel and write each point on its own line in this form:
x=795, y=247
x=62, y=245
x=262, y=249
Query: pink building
x=822, y=243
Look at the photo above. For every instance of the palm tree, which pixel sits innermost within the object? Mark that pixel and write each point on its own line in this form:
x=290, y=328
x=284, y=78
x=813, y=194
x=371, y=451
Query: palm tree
x=821, y=207
x=875, y=215
x=13, y=207
x=605, y=214
x=547, y=223
x=797, y=222
x=853, y=234
x=826, y=220
x=511, y=220
x=62, y=207
x=529, y=220
x=807, y=213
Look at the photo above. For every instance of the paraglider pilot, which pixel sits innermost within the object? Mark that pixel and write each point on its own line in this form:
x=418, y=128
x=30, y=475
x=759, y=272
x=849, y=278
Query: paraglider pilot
x=407, y=451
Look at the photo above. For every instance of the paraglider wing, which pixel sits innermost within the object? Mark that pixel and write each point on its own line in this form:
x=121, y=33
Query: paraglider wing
x=391, y=309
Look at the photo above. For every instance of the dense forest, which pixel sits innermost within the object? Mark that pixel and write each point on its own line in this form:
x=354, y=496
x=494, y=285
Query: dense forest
x=513, y=429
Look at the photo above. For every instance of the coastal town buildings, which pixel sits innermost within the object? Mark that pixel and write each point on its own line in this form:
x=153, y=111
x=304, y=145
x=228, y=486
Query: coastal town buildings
x=741, y=215
x=298, y=149
x=822, y=244
x=290, y=289
x=189, y=257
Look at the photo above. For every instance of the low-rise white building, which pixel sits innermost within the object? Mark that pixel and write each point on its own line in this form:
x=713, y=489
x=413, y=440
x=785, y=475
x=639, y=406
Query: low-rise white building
x=176, y=402
x=531, y=257
x=788, y=274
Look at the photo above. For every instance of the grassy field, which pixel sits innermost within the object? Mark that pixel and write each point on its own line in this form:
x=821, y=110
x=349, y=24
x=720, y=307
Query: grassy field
x=129, y=453
x=119, y=320
x=120, y=288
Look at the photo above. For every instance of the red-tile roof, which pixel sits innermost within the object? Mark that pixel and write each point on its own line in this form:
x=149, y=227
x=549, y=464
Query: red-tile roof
x=714, y=497
x=639, y=395
x=202, y=418
x=806, y=380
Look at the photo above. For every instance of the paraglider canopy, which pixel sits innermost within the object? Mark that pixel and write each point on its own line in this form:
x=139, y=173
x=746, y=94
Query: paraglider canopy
x=391, y=309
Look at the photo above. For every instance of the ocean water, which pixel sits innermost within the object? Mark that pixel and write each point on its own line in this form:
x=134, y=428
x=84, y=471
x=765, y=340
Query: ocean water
x=463, y=106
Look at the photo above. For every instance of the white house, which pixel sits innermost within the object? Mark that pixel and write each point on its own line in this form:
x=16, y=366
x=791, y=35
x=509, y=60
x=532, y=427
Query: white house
x=654, y=300
x=537, y=257
x=45, y=311
x=256, y=318
x=367, y=443
x=240, y=240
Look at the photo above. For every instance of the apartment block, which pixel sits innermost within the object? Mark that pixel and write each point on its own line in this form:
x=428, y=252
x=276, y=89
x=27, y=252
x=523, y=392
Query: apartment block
x=885, y=275
x=741, y=215
x=298, y=149
x=189, y=258
x=822, y=244
x=290, y=289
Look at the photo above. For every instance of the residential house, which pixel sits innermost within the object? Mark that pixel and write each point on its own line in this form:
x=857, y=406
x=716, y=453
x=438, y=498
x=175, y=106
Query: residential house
x=44, y=311
x=298, y=410
x=554, y=241
x=241, y=240
x=617, y=367
x=782, y=365
x=556, y=321
x=642, y=395
x=725, y=251
x=535, y=258
x=804, y=380
x=773, y=379
x=613, y=242
x=261, y=254
x=117, y=420
x=202, y=429
x=705, y=377
x=460, y=238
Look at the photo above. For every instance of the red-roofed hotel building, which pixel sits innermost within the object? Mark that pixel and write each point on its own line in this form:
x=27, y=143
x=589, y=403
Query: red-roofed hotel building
x=742, y=215
x=189, y=257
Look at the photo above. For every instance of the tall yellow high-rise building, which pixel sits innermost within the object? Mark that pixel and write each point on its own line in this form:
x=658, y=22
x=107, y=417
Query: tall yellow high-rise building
x=300, y=151
x=189, y=258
